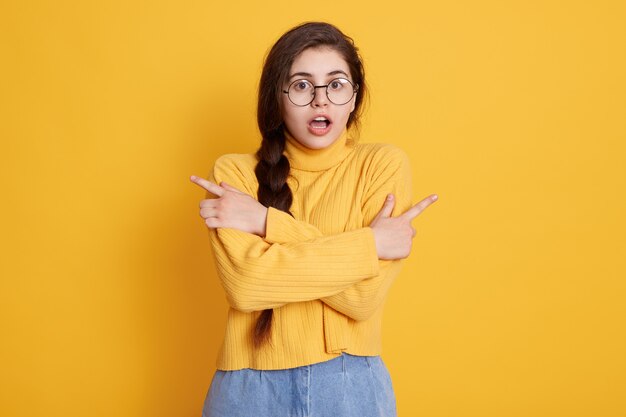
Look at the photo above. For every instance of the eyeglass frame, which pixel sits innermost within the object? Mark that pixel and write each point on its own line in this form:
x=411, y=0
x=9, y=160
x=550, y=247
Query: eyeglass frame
x=355, y=89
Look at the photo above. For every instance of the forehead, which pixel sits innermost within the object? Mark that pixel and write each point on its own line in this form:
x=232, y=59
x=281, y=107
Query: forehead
x=319, y=62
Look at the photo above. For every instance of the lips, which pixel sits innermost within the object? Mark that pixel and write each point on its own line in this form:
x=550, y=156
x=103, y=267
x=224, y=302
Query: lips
x=320, y=125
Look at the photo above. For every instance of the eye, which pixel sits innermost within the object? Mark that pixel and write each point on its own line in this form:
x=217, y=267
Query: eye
x=301, y=86
x=337, y=84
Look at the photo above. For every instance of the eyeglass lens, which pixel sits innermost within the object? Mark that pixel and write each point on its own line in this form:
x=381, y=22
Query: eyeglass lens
x=339, y=91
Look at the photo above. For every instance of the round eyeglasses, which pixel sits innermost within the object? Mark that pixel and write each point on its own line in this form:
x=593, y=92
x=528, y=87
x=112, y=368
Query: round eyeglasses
x=339, y=91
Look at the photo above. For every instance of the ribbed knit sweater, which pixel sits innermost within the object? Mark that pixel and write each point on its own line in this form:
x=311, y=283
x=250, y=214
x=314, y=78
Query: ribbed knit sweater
x=319, y=270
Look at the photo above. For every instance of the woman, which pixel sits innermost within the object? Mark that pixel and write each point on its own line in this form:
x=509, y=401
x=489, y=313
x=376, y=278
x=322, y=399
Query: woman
x=308, y=234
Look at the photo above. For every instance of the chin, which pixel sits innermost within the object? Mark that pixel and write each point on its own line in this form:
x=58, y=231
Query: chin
x=319, y=143
x=323, y=141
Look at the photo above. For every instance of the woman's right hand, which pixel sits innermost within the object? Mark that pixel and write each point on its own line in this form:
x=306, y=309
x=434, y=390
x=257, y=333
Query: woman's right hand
x=394, y=235
x=232, y=208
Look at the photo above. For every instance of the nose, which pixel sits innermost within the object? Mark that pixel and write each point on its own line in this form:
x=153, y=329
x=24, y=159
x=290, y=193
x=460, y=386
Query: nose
x=319, y=99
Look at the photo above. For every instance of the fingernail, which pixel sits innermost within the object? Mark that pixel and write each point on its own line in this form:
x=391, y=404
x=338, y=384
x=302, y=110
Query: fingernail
x=389, y=197
x=435, y=197
x=193, y=177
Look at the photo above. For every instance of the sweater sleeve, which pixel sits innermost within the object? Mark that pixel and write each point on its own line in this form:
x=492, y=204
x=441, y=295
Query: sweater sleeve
x=390, y=173
x=257, y=274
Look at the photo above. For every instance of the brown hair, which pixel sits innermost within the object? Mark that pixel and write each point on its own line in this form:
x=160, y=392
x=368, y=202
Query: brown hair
x=273, y=167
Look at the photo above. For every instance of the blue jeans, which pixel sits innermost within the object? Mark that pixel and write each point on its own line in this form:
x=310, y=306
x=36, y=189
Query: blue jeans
x=346, y=386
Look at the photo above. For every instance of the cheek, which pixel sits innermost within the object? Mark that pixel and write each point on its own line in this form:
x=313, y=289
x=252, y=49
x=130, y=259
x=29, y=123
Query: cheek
x=348, y=109
x=293, y=117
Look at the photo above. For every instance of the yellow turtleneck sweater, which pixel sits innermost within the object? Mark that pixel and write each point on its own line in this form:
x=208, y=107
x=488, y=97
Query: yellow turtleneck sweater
x=319, y=271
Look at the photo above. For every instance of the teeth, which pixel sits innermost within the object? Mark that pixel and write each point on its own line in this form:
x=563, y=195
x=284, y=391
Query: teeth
x=320, y=119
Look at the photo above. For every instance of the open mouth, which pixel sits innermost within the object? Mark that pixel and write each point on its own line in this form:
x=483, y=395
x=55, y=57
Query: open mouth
x=320, y=123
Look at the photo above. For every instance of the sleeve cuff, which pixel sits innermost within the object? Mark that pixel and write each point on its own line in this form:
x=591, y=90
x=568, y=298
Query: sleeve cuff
x=277, y=226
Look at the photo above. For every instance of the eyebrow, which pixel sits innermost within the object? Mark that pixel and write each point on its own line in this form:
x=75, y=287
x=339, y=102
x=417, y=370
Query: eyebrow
x=306, y=74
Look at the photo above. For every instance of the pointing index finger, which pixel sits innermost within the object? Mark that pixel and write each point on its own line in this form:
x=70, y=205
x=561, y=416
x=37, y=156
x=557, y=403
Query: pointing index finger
x=208, y=185
x=414, y=211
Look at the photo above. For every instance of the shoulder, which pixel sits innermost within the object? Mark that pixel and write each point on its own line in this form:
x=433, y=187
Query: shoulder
x=236, y=169
x=240, y=164
x=381, y=156
x=237, y=161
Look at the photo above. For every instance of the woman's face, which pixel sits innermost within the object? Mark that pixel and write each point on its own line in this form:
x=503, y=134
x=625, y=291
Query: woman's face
x=319, y=124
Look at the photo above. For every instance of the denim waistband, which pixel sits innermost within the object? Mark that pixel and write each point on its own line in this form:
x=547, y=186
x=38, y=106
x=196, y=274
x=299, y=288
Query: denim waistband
x=346, y=386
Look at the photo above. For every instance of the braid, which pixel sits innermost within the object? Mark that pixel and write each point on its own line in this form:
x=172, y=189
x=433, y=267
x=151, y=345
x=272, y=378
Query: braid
x=271, y=171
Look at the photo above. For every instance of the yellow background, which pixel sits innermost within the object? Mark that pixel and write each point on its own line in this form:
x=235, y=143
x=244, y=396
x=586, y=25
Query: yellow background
x=513, y=302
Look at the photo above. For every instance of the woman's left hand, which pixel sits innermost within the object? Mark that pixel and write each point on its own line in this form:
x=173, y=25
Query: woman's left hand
x=233, y=208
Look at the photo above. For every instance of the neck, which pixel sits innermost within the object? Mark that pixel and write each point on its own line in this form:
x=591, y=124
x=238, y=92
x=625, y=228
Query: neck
x=307, y=159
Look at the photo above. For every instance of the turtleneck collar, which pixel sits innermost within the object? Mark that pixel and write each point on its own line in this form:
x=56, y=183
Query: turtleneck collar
x=306, y=159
